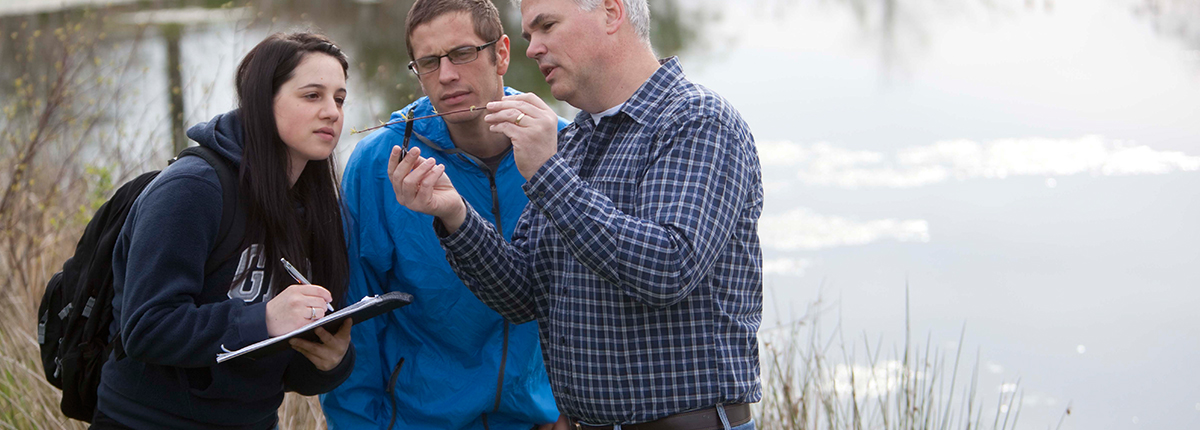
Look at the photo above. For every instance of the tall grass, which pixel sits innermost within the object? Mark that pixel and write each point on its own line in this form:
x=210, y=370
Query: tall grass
x=53, y=94
x=813, y=379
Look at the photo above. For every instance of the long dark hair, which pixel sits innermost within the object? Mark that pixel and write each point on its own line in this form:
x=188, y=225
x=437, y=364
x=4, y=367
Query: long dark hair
x=303, y=223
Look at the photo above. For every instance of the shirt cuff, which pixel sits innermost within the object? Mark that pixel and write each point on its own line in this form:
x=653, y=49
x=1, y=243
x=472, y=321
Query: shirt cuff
x=551, y=184
x=463, y=243
x=252, y=324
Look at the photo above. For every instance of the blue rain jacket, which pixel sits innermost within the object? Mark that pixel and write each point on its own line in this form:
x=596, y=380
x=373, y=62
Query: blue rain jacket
x=453, y=347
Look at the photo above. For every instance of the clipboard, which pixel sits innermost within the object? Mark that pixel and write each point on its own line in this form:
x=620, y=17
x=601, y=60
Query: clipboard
x=367, y=308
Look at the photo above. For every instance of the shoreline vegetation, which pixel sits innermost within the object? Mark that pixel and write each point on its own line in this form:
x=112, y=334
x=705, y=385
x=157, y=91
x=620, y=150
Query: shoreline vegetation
x=64, y=149
x=813, y=379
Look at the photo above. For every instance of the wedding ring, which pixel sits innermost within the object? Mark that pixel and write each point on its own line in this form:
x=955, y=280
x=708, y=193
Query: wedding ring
x=519, y=118
x=313, y=314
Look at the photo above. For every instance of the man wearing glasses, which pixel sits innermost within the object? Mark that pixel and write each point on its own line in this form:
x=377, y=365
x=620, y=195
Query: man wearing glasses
x=446, y=361
x=638, y=254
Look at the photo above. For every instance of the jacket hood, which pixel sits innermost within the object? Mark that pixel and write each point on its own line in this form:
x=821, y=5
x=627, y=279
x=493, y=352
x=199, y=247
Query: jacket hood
x=222, y=134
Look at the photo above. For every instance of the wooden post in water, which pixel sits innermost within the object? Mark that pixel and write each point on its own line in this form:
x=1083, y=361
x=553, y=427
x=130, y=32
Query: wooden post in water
x=171, y=34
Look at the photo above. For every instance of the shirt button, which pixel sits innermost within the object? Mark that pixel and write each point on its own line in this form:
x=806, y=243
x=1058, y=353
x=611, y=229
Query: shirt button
x=562, y=340
x=569, y=232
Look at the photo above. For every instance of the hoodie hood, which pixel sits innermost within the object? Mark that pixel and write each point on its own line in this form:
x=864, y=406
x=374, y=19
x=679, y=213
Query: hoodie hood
x=222, y=134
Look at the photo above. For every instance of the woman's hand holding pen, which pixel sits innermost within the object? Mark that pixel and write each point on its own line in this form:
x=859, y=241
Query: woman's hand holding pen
x=295, y=307
x=422, y=185
x=327, y=354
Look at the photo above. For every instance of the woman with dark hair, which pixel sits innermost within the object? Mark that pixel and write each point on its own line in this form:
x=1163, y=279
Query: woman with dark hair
x=174, y=310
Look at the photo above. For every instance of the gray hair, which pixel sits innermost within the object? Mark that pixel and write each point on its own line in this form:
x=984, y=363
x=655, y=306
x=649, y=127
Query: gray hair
x=638, y=12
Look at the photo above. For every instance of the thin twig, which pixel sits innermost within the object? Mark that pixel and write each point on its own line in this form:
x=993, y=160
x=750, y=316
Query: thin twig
x=402, y=120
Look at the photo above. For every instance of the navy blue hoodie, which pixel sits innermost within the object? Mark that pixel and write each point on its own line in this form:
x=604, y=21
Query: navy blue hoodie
x=173, y=319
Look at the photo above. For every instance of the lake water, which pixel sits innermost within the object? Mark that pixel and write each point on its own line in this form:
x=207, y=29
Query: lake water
x=1029, y=168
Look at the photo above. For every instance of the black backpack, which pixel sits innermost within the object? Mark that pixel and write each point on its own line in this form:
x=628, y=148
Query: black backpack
x=76, y=309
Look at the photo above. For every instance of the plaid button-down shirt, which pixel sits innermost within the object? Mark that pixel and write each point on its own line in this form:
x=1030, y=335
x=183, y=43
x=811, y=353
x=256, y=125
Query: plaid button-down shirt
x=638, y=256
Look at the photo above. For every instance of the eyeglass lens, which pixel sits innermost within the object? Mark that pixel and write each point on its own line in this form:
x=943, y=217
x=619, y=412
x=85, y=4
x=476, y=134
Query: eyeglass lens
x=462, y=55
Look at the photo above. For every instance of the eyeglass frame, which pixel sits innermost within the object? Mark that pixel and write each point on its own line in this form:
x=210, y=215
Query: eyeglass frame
x=412, y=65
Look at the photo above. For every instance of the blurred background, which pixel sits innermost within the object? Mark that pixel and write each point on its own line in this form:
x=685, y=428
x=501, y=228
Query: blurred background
x=999, y=195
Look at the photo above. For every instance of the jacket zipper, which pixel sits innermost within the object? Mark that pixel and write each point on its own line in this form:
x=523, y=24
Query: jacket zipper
x=491, y=174
x=499, y=229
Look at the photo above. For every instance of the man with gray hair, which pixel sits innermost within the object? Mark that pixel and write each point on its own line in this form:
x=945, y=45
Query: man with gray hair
x=638, y=254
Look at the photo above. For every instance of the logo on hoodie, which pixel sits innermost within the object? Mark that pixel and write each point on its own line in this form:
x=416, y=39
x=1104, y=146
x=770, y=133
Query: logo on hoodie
x=257, y=282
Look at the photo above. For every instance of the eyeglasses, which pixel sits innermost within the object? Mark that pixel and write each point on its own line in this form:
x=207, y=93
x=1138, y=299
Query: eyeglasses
x=460, y=55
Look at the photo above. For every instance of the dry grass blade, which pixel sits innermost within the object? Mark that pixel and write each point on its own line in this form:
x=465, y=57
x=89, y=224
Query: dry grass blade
x=910, y=390
x=1066, y=412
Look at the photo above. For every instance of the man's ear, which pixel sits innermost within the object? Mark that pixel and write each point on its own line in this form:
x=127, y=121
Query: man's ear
x=503, y=55
x=614, y=15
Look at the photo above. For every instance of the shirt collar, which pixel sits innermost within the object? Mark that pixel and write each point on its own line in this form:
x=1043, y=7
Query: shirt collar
x=596, y=117
x=642, y=104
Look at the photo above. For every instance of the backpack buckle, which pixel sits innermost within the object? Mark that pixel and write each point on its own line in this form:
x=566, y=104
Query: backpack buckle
x=66, y=310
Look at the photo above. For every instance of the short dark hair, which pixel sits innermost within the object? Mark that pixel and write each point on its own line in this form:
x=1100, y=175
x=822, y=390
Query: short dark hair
x=484, y=15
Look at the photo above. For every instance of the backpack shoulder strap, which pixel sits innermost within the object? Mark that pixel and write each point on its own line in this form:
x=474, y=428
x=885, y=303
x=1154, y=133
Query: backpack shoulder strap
x=233, y=221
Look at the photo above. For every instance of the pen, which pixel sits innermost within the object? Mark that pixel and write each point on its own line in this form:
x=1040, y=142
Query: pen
x=300, y=278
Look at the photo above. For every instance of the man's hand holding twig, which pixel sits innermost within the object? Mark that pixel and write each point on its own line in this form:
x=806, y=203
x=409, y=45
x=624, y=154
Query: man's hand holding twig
x=530, y=124
x=422, y=185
